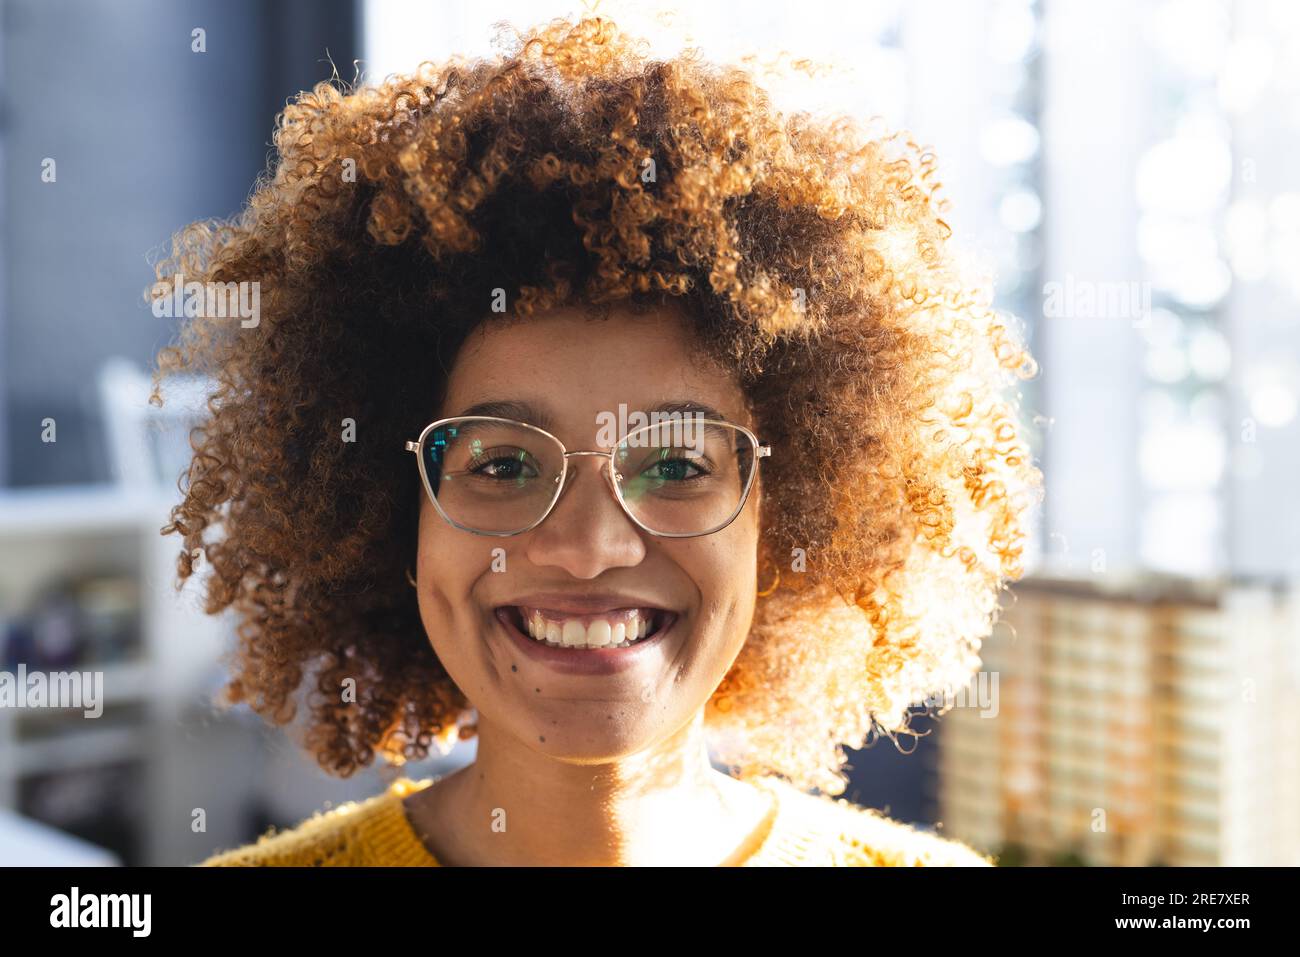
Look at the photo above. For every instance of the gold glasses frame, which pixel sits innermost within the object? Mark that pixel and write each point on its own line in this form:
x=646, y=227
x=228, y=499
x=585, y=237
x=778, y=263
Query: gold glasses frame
x=561, y=480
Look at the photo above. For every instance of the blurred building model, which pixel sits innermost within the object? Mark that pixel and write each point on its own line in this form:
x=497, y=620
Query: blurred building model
x=1152, y=723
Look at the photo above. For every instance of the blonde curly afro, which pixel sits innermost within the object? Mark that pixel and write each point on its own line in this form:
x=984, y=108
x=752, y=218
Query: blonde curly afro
x=574, y=169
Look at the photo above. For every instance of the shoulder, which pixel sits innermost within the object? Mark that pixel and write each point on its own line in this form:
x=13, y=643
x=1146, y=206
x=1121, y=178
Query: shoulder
x=358, y=833
x=854, y=836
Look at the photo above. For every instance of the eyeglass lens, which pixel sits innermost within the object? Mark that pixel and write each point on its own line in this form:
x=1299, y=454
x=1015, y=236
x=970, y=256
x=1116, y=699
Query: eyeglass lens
x=676, y=477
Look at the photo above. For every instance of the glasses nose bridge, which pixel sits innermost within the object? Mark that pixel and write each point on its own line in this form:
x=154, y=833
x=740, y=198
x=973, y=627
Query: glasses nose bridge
x=608, y=471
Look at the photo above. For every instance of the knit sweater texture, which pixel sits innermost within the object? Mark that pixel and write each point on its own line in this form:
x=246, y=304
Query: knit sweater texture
x=801, y=830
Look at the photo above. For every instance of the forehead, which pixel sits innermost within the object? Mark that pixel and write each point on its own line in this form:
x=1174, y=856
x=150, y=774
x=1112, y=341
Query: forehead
x=572, y=371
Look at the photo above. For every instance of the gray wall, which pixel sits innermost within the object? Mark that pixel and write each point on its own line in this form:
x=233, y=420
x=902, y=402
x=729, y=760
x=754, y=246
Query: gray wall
x=147, y=136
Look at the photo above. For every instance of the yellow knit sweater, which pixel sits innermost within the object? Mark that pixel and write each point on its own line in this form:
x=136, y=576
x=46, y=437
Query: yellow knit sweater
x=802, y=830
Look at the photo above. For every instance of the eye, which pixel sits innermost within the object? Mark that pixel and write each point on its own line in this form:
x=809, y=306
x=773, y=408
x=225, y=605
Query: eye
x=504, y=463
x=676, y=470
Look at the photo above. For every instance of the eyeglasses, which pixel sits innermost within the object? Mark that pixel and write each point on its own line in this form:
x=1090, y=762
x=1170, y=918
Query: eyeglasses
x=677, y=478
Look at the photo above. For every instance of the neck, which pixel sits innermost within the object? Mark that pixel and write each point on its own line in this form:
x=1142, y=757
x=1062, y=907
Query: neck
x=516, y=807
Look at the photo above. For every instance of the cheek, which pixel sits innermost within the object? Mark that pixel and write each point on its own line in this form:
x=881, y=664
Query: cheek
x=744, y=566
x=724, y=567
x=445, y=576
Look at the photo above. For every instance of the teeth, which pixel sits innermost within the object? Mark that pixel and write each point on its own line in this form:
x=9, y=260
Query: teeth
x=600, y=633
x=574, y=634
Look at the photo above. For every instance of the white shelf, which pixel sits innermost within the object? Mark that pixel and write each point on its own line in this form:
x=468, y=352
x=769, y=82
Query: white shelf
x=28, y=843
x=79, y=510
x=125, y=682
x=78, y=749
x=48, y=532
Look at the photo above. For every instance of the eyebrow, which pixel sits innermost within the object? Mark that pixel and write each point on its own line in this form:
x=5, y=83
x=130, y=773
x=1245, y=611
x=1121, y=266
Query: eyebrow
x=534, y=415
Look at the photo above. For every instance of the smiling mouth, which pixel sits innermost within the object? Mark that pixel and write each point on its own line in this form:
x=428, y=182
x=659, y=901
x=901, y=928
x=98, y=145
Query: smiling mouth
x=618, y=628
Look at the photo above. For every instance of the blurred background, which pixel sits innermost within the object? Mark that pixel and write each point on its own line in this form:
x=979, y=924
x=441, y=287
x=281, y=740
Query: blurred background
x=1126, y=171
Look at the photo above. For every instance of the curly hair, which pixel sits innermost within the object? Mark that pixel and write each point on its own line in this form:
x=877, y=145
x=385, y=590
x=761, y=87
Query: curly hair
x=811, y=258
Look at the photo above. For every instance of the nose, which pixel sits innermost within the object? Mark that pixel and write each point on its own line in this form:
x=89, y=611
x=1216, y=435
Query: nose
x=587, y=531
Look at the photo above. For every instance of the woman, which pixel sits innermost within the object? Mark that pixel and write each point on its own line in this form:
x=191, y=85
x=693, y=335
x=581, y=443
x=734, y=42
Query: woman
x=598, y=411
